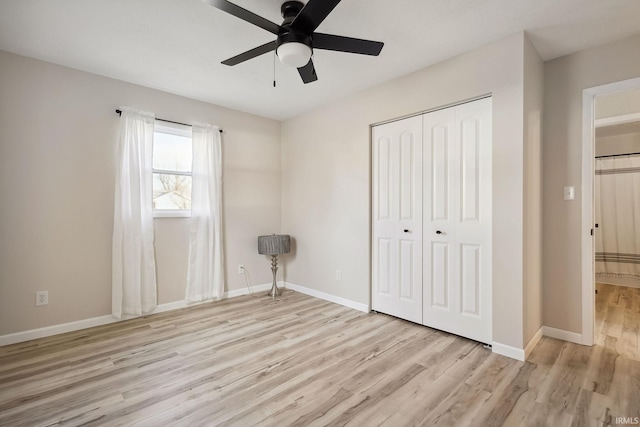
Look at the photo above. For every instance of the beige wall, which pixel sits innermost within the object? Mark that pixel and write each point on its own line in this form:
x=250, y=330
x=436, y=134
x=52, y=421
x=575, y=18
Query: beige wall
x=532, y=257
x=57, y=136
x=617, y=104
x=326, y=176
x=617, y=139
x=618, y=144
x=565, y=79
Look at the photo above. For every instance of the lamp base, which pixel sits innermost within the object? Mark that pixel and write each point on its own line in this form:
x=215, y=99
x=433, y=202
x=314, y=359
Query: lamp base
x=274, y=292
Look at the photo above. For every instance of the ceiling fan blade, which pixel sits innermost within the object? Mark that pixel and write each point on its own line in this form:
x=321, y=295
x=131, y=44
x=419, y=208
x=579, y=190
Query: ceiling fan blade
x=346, y=44
x=312, y=15
x=245, y=15
x=250, y=54
x=308, y=72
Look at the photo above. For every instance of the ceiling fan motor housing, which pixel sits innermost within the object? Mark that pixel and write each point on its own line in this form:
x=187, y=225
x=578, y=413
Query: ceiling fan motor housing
x=289, y=10
x=293, y=36
x=293, y=46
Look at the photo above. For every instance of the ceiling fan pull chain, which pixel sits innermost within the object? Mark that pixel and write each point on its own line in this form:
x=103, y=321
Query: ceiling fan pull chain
x=274, y=68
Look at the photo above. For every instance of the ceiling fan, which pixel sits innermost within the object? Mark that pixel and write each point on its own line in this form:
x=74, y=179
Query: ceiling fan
x=296, y=37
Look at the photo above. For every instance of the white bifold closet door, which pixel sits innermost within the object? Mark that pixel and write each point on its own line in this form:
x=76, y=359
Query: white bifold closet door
x=451, y=185
x=397, y=219
x=457, y=220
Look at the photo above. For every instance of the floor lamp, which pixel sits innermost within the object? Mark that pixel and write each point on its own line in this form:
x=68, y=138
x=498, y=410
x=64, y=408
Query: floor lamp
x=274, y=245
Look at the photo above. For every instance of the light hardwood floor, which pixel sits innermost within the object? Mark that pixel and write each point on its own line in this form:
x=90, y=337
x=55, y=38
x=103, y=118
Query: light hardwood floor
x=298, y=360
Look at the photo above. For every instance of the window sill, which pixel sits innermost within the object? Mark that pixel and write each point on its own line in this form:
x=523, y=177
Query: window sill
x=171, y=213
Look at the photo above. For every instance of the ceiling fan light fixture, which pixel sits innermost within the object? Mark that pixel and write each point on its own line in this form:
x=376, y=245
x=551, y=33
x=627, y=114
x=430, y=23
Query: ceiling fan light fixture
x=296, y=37
x=294, y=54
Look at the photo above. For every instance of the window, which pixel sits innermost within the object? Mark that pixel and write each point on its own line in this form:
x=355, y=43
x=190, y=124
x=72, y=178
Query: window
x=172, y=159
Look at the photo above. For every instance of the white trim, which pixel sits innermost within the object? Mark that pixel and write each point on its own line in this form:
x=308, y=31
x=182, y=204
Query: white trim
x=172, y=213
x=561, y=334
x=328, y=297
x=617, y=120
x=507, y=350
x=535, y=339
x=77, y=325
x=56, y=329
x=588, y=256
x=621, y=281
x=431, y=110
x=244, y=291
x=174, y=305
x=172, y=172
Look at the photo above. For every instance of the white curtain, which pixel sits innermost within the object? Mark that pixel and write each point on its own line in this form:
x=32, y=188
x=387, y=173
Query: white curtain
x=205, y=277
x=617, y=194
x=134, y=268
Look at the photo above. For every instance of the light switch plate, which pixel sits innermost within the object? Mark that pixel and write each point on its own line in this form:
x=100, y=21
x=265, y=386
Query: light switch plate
x=569, y=193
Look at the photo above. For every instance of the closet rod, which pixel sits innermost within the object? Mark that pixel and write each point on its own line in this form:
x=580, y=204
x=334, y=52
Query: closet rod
x=119, y=112
x=618, y=155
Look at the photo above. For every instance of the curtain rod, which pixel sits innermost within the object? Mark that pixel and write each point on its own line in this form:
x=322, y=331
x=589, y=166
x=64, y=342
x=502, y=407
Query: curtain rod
x=119, y=112
x=618, y=155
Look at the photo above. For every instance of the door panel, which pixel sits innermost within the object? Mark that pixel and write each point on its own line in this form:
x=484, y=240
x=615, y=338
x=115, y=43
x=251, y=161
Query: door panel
x=438, y=166
x=407, y=176
x=466, y=277
x=384, y=265
x=437, y=237
x=397, y=219
x=407, y=283
x=470, y=283
x=383, y=172
x=440, y=276
x=469, y=191
x=473, y=234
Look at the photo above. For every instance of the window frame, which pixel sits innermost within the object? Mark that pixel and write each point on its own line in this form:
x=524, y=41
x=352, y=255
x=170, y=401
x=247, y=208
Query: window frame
x=161, y=126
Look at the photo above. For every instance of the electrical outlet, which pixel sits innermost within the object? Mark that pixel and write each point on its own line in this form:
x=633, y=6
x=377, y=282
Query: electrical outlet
x=42, y=297
x=240, y=268
x=338, y=275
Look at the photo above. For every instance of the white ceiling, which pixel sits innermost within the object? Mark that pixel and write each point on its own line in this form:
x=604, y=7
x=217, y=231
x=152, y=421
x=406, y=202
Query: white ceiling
x=177, y=45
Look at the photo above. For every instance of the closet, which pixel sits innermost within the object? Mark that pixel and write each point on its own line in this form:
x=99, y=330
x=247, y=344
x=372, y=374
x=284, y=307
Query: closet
x=431, y=219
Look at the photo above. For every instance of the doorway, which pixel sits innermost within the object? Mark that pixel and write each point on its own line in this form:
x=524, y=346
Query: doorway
x=604, y=119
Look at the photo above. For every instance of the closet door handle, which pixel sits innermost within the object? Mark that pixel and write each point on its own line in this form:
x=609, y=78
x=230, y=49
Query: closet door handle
x=438, y=232
x=406, y=231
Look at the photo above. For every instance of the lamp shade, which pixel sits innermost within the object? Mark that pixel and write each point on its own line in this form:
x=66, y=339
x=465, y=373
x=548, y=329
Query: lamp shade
x=274, y=244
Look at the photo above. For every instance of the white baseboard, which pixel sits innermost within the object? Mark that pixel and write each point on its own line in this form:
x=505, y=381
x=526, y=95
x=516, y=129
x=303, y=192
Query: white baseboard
x=561, y=334
x=56, y=329
x=619, y=281
x=535, y=339
x=328, y=297
x=522, y=354
x=77, y=325
x=507, y=350
x=244, y=291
